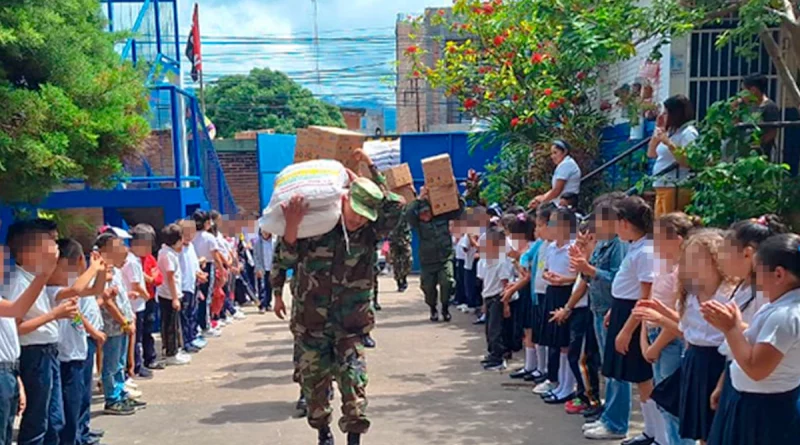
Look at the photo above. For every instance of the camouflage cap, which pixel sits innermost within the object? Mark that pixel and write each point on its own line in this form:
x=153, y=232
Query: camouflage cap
x=365, y=198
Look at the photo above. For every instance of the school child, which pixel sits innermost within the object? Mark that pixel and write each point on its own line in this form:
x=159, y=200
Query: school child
x=72, y=279
x=761, y=400
x=525, y=226
x=35, y=253
x=560, y=278
x=169, y=294
x=623, y=358
x=153, y=279
x=496, y=272
x=611, y=420
x=459, y=237
x=141, y=244
x=664, y=349
x=118, y=324
x=207, y=250
x=264, y=251
x=191, y=274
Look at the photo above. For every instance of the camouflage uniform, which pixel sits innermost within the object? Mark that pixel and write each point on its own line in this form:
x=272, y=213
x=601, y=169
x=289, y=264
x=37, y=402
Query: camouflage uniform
x=277, y=280
x=400, y=251
x=332, y=311
x=435, y=252
x=376, y=272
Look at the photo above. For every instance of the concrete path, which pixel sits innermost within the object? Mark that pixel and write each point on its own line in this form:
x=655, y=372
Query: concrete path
x=426, y=387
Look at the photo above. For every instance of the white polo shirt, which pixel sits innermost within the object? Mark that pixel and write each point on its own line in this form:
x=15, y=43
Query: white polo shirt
x=204, y=245
x=569, y=171
x=776, y=324
x=46, y=333
x=132, y=273
x=169, y=261
x=557, y=260
x=696, y=330
x=636, y=268
x=493, y=273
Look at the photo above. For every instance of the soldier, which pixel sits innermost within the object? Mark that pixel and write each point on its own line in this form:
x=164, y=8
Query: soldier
x=435, y=251
x=333, y=310
x=400, y=253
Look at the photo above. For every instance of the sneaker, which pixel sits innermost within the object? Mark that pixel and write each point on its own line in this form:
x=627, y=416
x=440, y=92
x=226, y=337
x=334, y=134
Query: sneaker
x=133, y=393
x=368, y=341
x=190, y=349
x=576, y=406
x=155, y=366
x=462, y=307
x=544, y=387
x=96, y=433
x=145, y=373
x=199, y=343
x=595, y=411
x=496, y=366
x=640, y=439
x=212, y=333
x=480, y=320
x=135, y=404
x=591, y=425
x=178, y=360
x=239, y=315
x=129, y=383
x=118, y=409
x=602, y=433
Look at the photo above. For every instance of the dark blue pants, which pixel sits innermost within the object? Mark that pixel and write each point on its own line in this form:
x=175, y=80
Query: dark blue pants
x=264, y=289
x=202, y=305
x=583, y=355
x=188, y=317
x=43, y=418
x=73, y=388
x=494, y=328
x=86, y=397
x=9, y=402
x=471, y=288
x=461, y=296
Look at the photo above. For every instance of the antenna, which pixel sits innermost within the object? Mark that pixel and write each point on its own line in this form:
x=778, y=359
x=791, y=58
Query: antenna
x=316, y=42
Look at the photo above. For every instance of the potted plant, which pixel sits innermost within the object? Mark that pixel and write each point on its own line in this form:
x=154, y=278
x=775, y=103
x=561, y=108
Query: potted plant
x=629, y=100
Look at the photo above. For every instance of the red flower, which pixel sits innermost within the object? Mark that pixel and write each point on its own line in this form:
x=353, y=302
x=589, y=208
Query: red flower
x=514, y=122
x=412, y=49
x=470, y=103
x=529, y=120
x=553, y=105
x=440, y=12
x=514, y=98
x=415, y=73
x=452, y=49
x=537, y=58
x=498, y=2
x=488, y=8
x=548, y=91
x=508, y=63
x=581, y=75
x=498, y=40
x=561, y=101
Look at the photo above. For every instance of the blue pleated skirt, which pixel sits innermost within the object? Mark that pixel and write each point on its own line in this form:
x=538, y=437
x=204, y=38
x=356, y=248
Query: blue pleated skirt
x=700, y=370
x=553, y=334
x=631, y=367
x=756, y=419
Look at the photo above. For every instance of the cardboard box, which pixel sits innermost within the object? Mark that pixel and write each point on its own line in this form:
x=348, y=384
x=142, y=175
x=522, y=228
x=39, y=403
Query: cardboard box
x=398, y=176
x=443, y=198
x=438, y=171
x=328, y=143
x=407, y=191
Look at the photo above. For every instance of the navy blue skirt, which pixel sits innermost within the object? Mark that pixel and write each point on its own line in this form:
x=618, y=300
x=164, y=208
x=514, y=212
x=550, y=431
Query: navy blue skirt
x=555, y=335
x=700, y=370
x=667, y=394
x=631, y=367
x=756, y=419
x=526, y=307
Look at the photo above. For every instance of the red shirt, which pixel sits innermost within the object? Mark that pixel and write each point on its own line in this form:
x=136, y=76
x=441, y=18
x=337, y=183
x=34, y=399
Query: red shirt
x=150, y=267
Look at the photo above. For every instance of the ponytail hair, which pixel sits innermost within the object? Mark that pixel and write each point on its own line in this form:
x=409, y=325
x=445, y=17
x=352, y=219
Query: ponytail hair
x=752, y=232
x=679, y=224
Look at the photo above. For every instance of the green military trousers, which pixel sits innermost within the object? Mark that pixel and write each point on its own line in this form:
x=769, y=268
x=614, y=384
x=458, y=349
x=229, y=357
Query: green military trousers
x=433, y=276
x=327, y=356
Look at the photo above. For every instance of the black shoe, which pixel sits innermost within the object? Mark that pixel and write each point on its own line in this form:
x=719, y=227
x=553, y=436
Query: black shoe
x=156, y=366
x=377, y=306
x=301, y=407
x=97, y=433
x=446, y=315
x=642, y=439
x=434, y=315
x=368, y=341
x=532, y=376
x=520, y=373
x=594, y=411
x=118, y=409
x=558, y=401
x=135, y=404
x=324, y=436
x=353, y=439
x=402, y=287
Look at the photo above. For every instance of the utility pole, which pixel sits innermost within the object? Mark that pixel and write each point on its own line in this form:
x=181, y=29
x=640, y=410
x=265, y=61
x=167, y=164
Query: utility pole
x=316, y=42
x=416, y=95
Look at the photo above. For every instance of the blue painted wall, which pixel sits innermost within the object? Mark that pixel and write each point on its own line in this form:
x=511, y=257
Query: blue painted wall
x=275, y=152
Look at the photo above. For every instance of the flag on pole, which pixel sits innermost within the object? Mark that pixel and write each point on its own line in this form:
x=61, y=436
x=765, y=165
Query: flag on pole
x=193, y=46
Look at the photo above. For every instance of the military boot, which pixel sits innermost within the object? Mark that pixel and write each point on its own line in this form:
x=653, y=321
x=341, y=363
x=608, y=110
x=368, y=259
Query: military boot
x=302, y=406
x=434, y=314
x=446, y=314
x=353, y=439
x=325, y=437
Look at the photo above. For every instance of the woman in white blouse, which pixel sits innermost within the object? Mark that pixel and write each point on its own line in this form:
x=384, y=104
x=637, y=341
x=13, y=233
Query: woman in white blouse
x=674, y=131
x=566, y=177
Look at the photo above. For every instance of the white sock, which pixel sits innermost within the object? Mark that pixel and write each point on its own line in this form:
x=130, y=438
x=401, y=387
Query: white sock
x=560, y=380
x=530, y=359
x=654, y=425
x=541, y=358
x=568, y=385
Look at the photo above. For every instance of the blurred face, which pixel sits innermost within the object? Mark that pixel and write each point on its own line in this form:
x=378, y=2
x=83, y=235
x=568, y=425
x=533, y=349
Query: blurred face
x=141, y=248
x=774, y=283
x=560, y=230
x=755, y=93
x=667, y=244
x=604, y=227
x=697, y=270
x=189, y=231
x=557, y=154
x=542, y=230
x=115, y=252
x=493, y=248
x=352, y=220
x=32, y=256
x=735, y=260
x=627, y=231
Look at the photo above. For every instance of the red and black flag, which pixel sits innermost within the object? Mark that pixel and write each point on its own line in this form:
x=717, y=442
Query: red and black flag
x=193, y=46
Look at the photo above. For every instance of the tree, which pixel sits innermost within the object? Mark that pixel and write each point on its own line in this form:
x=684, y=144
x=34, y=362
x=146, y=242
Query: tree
x=69, y=108
x=266, y=99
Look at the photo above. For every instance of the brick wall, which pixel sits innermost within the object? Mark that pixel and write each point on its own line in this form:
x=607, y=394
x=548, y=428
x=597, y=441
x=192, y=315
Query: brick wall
x=241, y=172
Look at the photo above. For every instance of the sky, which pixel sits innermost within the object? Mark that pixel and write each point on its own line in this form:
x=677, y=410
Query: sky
x=356, y=50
